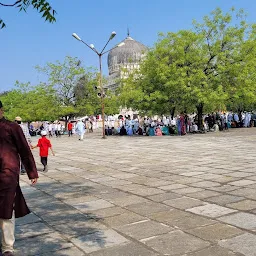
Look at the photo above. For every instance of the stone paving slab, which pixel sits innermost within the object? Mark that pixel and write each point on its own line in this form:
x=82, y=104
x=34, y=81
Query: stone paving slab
x=72, y=251
x=211, y=210
x=215, y=232
x=117, y=198
x=213, y=251
x=242, y=220
x=176, y=243
x=46, y=243
x=244, y=244
x=99, y=240
x=130, y=249
x=144, y=229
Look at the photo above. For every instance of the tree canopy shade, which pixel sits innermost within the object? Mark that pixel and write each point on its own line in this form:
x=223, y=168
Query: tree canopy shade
x=204, y=69
x=30, y=102
x=41, y=6
x=69, y=92
x=63, y=78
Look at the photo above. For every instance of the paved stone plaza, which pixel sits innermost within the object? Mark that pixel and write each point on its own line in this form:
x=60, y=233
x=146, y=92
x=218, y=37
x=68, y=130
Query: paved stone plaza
x=144, y=196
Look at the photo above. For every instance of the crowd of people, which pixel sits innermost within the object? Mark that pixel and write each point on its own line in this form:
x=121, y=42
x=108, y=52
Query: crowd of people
x=179, y=125
x=182, y=124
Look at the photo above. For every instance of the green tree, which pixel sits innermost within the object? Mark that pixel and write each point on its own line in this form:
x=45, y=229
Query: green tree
x=73, y=85
x=32, y=103
x=88, y=101
x=85, y=92
x=192, y=70
x=41, y=6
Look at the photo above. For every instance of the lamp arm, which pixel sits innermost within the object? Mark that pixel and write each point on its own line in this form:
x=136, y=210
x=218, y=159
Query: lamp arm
x=93, y=49
x=105, y=46
x=110, y=50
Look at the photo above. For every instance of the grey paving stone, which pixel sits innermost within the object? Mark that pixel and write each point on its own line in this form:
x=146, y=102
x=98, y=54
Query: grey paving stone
x=109, y=212
x=244, y=244
x=80, y=199
x=184, y=203
x=176, y=243
x=130, y=249
x=189, y=222
x=225, y=199
x=224, y=188
x=72, y=251
x=169, y=217
x=164, y=196
x=144, y=229
x=79, y=228
x=189, y=174
x=123, y=219
x=47, y=243
x=245, y=192
x=128, y=200
x=244, y=205
x=211, y=210
x=242, y=183
x=28, y=219
x=239, y=174
x=55, y=218
x=146, y=209
x=173, y=187
x=204, y=194
x=242, y=220
x=147, y=191
x=215, y=232
x=213, y=251
x=206, y=184
x=100, y=240
x=93, y=205
x=30, y=230
x=188, y=190
x=187, y=180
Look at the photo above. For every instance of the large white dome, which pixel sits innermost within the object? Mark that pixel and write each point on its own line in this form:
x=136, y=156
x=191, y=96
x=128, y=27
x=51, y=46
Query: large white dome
x=130, y=53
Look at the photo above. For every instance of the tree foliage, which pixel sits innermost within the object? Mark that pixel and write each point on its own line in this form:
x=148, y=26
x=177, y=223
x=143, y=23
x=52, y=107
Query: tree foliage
x=204, y=69
x=30, y=102
x=41, y=6
x=63, y=78
x=69, y=92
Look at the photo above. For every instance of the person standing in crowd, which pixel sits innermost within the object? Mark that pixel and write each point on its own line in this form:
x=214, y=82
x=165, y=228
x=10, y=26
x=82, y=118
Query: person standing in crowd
x=56, y=129
x=27, y=135
x=80, y=129
x=70, y=128
x=13, y=148
x=50, y=129
x=59, y=129
x=44, y=145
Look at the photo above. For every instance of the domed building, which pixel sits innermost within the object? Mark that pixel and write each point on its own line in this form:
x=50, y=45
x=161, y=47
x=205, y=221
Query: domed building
x=123, y=60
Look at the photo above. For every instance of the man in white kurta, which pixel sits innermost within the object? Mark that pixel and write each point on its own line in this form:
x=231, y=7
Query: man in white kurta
x=80, y=129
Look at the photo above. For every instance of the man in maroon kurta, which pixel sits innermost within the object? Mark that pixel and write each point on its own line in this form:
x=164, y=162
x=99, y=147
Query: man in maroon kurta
x=13, y=149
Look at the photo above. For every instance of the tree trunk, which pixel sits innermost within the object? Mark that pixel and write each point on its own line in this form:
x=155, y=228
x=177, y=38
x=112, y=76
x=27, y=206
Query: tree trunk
x=172, y=112
x=240, y=117
x=66, y=122
x=199, y=108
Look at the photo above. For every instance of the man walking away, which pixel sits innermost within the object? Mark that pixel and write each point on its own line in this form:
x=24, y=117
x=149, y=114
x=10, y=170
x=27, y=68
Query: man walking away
x=80, y=129
x=13, y=148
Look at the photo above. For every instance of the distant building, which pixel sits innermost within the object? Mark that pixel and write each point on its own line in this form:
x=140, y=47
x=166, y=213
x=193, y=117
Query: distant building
x=123, y=60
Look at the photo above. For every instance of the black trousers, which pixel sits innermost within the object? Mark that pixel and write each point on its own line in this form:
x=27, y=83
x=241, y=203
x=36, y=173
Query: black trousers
x=69, y=133
x=44, y=160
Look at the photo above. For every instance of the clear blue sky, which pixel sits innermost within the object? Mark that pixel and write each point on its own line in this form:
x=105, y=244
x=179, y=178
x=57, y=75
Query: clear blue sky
x=28, y=41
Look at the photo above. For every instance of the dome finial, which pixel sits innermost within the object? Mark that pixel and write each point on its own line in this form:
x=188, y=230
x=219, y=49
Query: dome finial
x=128, y=31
